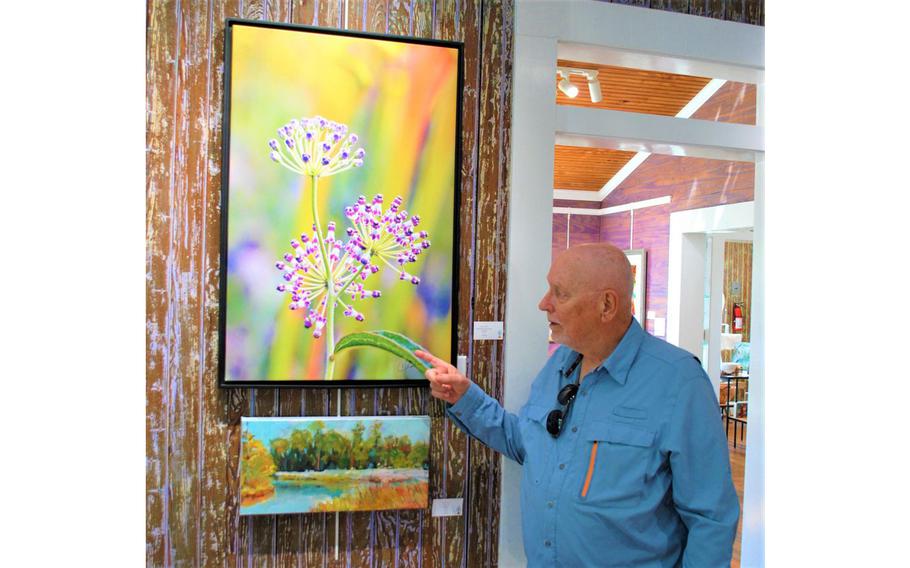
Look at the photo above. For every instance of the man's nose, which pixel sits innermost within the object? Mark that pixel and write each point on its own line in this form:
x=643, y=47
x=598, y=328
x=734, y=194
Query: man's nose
x=544, y=304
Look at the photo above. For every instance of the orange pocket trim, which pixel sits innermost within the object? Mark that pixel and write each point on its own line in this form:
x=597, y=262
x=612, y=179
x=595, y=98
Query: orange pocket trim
x=584, y=491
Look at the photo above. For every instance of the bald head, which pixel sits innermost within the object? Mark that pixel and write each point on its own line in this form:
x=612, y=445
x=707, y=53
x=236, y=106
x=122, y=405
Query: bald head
x=589, y=300
x=599, y=266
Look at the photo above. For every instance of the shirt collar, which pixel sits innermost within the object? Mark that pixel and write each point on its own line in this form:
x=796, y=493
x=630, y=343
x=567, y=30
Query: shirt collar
x=620, y=361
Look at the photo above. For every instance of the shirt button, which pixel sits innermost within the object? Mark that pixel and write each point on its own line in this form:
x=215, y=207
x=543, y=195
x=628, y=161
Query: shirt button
x=562, y=466
x=547, y=543
x=550, y=504
x=575, y=428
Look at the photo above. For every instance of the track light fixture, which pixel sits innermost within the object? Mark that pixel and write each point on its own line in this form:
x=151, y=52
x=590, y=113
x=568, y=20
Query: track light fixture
x=571, y=90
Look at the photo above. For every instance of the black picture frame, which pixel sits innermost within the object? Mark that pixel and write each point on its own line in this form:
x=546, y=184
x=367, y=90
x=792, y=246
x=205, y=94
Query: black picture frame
x=223, y=381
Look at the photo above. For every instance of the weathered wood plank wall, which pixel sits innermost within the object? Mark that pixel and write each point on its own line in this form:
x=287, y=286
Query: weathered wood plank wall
x=192, y=497
x=743, y=11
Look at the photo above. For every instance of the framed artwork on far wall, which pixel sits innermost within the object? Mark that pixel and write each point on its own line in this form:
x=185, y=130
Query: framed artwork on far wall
x=638, y=258
x=340, y=190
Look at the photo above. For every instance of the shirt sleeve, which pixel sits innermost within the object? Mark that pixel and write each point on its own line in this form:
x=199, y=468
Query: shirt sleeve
x=703, y=491
x=482, y=417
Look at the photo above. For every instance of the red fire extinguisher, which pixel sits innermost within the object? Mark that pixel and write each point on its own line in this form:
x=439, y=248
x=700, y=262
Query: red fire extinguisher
x=737, y=318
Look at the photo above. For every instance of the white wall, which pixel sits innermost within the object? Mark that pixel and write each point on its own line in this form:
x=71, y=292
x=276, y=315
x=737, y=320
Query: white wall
x=530, y=239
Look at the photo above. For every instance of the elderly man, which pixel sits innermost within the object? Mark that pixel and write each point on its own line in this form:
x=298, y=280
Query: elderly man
x=624, y=459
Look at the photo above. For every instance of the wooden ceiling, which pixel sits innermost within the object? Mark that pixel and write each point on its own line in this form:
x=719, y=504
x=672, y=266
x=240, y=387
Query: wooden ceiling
x=630, y=90
x=633, y=90
x=586, y=169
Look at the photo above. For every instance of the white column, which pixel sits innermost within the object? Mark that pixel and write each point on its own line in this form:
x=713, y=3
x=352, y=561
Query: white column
x=530, y=239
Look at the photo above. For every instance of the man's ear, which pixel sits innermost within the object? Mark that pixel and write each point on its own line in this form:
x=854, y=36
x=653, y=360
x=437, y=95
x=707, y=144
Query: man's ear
x=610, y=303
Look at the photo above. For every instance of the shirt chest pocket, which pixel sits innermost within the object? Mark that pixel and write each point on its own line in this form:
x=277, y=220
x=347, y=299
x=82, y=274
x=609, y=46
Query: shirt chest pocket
x=537, y=442
x=617, y=463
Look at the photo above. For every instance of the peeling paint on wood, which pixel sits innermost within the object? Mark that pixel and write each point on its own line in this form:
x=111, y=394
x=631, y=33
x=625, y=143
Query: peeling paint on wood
x=192, y=426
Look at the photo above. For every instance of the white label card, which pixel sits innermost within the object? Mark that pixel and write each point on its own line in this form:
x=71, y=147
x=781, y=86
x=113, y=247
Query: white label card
x=447, y=507
x=488, y=330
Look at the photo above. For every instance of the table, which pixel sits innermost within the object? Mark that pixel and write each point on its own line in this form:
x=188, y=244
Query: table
x=735, y=378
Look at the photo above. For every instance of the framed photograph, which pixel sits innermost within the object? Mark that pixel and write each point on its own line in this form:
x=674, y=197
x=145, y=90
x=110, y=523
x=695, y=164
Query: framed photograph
x=317, y=465
x=638, y=258
x=339, y=228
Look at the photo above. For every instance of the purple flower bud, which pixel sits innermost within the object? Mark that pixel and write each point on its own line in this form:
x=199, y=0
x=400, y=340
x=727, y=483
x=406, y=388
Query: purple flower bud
x=281, y=288
x=374, y=269
x=350, y=231
x=376, y=293
x=295, y=297
x=273, y=156
x=288, y=257
x=360, y=153
x=287, y=276
x=273, y=144
x=349, y=311
x=307, y=322
x=293, y=306
x=305, y=157
x=352, y=138
x=325, y=161
x=359, y=316
x=358, y=163
x=326, y=146
x=424, y=234
x=345, y=155
x=415, y=280
x=289, y=142
x=304, y=238
x=415, y=220
x=425, y=244
x=279, y=265
x=309, y=135
x=403, y=275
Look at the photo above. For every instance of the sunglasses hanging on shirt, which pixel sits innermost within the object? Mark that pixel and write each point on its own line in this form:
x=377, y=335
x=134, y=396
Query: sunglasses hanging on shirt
x=558, y=416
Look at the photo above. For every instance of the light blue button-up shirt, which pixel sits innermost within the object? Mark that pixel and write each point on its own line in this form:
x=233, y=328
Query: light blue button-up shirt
x=640, y=475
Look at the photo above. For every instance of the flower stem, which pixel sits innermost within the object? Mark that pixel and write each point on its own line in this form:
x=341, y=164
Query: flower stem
x=330, y=289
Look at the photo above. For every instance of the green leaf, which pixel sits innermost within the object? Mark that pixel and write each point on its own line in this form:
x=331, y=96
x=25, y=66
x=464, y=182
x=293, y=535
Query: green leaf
x=397, y=344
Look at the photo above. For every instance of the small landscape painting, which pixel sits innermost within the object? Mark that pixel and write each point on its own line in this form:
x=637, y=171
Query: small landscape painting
x=319, y=464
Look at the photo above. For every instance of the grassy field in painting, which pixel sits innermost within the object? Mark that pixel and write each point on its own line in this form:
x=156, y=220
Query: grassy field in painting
x=374, y=489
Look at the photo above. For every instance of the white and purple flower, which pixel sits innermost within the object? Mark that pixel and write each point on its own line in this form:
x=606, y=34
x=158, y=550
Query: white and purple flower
x=376, y=237
x=389, y=236
x=316, y=147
